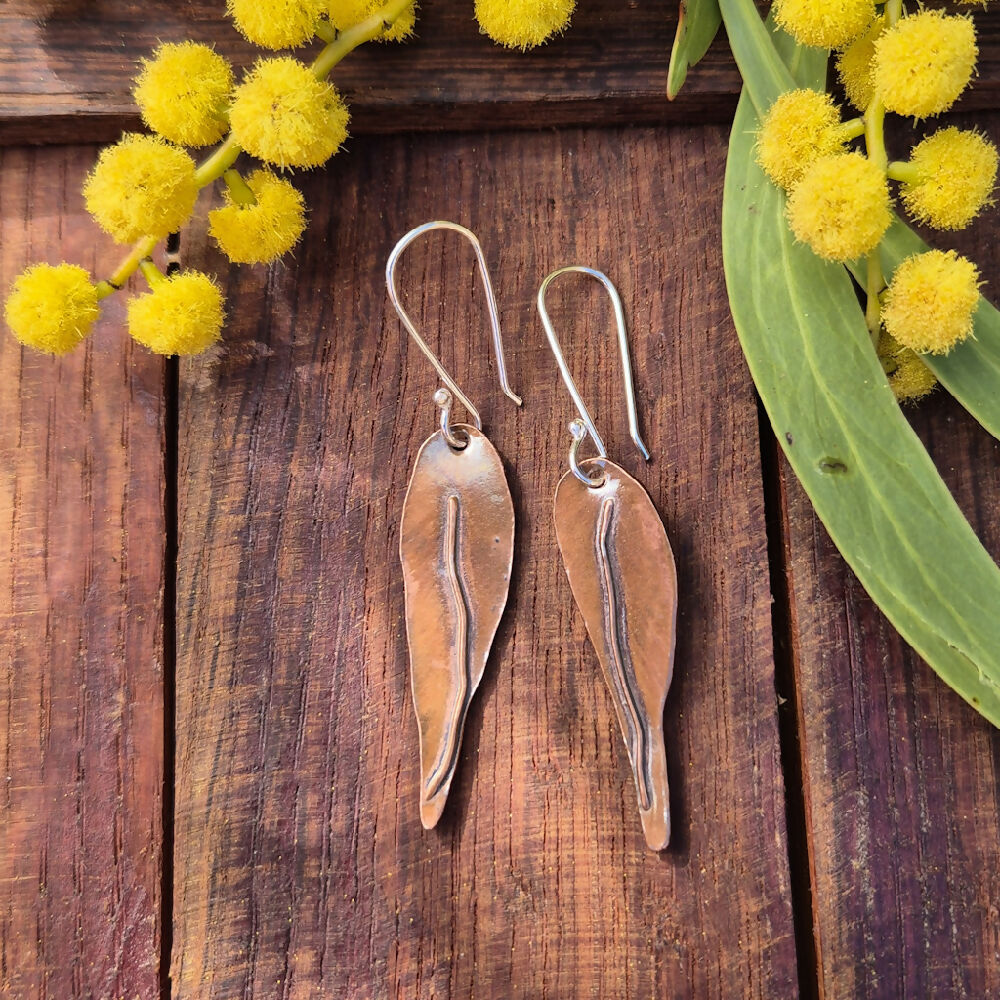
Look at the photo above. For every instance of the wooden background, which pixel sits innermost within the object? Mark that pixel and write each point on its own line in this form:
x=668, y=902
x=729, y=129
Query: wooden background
x=207, y=748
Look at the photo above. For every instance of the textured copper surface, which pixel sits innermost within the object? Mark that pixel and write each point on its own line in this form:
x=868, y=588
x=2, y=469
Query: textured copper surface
x=621, y=570
x=456, y=545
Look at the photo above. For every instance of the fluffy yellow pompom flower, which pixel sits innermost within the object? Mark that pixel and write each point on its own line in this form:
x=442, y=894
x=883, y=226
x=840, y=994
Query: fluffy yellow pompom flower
x=930, y=301
x=854, y=66
x=950, y=178
x=799, y=128
x=924, y=62
x=182, y=314
x=523, y=24
x=345, y=14
x=283, y=115
x=183, y=93
x=260, y=233
x=276, y=24
x=826, y=24
x=909, y=378
x=840, y=207
x=52, y=308
x=142, y=186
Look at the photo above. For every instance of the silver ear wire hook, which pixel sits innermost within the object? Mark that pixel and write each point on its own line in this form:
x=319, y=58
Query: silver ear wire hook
x=442, y=399
x=585, y=425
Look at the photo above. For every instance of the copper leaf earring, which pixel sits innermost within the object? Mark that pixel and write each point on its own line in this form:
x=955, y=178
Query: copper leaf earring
x=456, y=545
x=621, y=571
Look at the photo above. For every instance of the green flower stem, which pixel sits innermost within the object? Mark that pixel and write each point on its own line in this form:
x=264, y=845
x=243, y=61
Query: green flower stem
x=874, y=133
x=364, y=31
x=153, y=275
x=905, y=172
x=214, y=166
x=127, y=267
x=852, y=129
x=238, y=188
x=226, y=154
x=325, y=31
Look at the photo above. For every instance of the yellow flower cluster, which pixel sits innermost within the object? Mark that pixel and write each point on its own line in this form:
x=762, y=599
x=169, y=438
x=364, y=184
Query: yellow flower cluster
x=931, y=300
x=839, y=202
x=283, y=115
x=840, y=207
x=523, y=24
x=827, y=24
x=145, y=186
x=854, y=65
x=141, y=186
x=924, y=62
x=345, y=14
x=909, y=378
x=182, y=314
x=950, y=178
x=52, y=308
x=261, y=231
x=800, y=127
x=276, y=24
x=183, y=93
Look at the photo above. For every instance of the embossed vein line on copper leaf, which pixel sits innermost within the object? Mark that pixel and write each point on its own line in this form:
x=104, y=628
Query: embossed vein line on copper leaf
x=446, y=762
x=621, y=673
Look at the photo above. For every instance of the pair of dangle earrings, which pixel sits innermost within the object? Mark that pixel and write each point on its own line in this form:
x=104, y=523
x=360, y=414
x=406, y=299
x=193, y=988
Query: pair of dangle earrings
x=457, y=545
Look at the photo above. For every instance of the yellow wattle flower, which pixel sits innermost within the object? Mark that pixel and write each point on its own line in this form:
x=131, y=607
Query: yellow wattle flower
x=182, y=314
x=924, y=62
x=276, y=24
x=931, y=300
x=141, y=186
x=52, y=308
x=260, y=233
x=840, y=207
x=345, y=14
x=909, y=378
x=825, y=24
x=283, y=115
x=523, y=24
x=183, y=93
x=954, y=172
x=799, y=128
x=854, y=65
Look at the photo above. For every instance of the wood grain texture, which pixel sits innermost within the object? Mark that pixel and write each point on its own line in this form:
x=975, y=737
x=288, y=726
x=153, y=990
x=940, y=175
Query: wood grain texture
x=81, y=620
x=301, y=866
x=900, y=775
x=66, y=69
x=69, y=75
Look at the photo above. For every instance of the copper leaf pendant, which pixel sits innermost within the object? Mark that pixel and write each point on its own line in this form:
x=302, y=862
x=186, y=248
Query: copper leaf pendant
x=456, y=545
x=621, y=571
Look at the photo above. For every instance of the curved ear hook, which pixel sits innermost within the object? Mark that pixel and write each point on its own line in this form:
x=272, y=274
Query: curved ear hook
x=580, y=428
x=390, y=281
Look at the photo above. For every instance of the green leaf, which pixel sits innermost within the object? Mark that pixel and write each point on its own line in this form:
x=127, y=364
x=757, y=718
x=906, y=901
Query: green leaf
x=697, y=25
x=869, y=478
x=766, y=76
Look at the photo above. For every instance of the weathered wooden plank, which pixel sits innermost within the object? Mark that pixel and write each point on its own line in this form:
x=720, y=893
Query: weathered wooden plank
x=81, y=616
x=69, y=75
x=301, y=866
x=900, y=774
x=65, y=76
